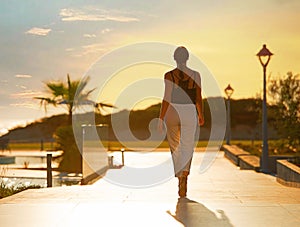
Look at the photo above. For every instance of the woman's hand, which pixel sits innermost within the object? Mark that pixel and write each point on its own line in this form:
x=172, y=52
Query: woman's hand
x=160, y=126
x=200, y=120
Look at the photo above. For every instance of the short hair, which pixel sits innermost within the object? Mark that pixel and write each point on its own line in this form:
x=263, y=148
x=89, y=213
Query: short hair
x=181, y=54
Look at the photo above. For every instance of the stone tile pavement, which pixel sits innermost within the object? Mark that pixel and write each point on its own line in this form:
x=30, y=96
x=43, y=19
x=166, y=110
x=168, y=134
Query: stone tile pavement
x=221, y=196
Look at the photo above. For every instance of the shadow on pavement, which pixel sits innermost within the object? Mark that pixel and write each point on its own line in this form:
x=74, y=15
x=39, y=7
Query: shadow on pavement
x=191, y=213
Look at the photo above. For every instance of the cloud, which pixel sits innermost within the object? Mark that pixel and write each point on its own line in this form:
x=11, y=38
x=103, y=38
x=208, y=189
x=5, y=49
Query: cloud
x=93, y=48
x=27, y=94
x=96, y=48
x=23, y=76
x=3, y=82
x=38, y=31
x=94, y=14
x=103, y=31
x=21, y=86
x=106, y=30
x=89, y=35
x=29, y=105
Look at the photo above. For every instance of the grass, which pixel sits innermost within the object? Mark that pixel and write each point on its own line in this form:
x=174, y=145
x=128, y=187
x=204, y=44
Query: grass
x=112, y=145
x=116, y=145
x=31, y=146
x=276, y=147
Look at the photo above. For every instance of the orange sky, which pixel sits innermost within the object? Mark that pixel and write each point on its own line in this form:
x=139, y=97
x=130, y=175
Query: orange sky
x=45, y=41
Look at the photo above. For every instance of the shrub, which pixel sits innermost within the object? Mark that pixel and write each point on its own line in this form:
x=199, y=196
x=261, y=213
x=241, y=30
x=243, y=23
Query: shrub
x=8, y=190
x=72, y=159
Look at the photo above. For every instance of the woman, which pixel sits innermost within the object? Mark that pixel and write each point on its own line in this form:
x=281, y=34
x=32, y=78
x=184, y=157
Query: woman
x=181, y=109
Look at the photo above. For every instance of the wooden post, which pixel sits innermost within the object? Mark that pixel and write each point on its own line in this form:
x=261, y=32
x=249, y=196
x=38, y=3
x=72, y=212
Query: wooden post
x=49, y=170
x=123, y=161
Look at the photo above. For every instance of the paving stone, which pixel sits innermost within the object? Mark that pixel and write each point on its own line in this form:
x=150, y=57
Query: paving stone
x=221, y=195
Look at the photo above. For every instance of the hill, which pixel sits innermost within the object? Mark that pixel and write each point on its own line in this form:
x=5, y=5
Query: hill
x=44, y=129
x=245, y=122
x=40, y=129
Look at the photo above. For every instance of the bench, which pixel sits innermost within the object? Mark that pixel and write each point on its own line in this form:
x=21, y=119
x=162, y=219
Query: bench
x=251, y=162
x=288, y=173
x=233, y=153
x=241, y=158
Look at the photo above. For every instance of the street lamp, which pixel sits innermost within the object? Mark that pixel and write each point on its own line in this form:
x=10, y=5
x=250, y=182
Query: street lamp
x=228, y=91
x=264, y=56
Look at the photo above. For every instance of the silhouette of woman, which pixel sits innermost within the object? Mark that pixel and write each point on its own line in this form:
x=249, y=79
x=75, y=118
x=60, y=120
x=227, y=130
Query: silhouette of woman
x=181, y=109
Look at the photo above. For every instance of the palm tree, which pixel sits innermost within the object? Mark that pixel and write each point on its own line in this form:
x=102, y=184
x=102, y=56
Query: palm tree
x=72, y=95
x=64, y=94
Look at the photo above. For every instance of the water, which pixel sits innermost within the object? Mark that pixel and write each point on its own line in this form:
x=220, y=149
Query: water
x=20, y=160
x=30, y=169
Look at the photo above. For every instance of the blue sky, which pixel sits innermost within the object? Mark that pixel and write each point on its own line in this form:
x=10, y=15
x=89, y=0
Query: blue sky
x=44, y=40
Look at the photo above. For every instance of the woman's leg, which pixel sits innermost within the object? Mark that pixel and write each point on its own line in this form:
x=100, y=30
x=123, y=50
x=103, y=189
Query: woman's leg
x=188, y=126
x=182, y=186
x=188, y=119
x=173, y=136
x=181, y=122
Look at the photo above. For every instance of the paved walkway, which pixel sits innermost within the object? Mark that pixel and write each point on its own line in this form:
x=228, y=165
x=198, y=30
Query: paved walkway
x=221, y=196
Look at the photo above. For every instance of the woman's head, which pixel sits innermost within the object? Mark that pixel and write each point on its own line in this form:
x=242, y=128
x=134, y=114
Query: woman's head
x=181, y=55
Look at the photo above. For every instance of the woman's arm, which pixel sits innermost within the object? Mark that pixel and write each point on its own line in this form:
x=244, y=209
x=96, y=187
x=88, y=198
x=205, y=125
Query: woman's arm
x=163, y=109
x=199, y=106
x=167, y=96
x=166, y=100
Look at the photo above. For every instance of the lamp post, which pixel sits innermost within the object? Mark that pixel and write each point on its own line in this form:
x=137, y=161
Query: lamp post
x=228, y=91
x=264, y=56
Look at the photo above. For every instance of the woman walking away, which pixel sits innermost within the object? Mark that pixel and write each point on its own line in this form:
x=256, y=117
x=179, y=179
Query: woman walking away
x=181, y=110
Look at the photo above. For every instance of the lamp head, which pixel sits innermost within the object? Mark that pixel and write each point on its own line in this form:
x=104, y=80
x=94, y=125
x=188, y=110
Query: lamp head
x=264, y=52
x=229, y=91
x=264, y=56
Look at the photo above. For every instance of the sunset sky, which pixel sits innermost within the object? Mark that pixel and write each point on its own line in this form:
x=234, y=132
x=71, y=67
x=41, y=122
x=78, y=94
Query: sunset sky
x=46, y=40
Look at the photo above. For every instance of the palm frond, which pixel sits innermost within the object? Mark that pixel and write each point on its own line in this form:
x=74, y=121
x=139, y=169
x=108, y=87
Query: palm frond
x=71, y=95
x=56, y=89
x=101, y=105
x=46, y=101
